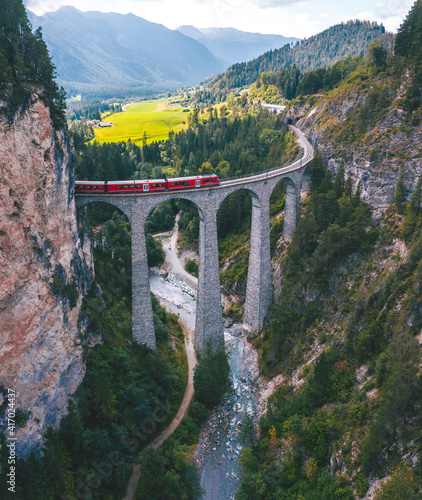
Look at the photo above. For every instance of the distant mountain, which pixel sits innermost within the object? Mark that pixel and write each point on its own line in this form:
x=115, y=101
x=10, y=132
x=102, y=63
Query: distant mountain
x=322, y=50
x=107, y=54
x=233, y=46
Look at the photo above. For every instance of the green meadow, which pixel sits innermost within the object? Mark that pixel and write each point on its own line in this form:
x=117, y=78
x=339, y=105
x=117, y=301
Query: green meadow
x=155, y=118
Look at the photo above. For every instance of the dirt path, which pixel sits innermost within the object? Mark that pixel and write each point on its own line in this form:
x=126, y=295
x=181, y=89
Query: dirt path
x=191, y=357
x=174, y=264
x=159, y=440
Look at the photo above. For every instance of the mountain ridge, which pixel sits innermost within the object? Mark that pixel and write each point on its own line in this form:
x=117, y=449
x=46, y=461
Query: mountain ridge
x=231, y=45
x=121, y=51
x=321, y=50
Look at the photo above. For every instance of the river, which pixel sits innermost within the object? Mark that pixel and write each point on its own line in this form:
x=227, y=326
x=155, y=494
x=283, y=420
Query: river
x=219, y=449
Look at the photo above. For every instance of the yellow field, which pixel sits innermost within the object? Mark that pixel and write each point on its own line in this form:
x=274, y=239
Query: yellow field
x=156, y=118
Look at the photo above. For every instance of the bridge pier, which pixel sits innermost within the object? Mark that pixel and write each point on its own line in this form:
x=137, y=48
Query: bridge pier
x=292, y=209
x=259, y=284
x=306, y=183
x=142, y=317
x=209, y=313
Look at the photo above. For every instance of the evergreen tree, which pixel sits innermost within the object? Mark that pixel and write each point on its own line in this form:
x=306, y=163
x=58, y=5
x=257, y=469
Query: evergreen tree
x=38, y=484
x=57, y=464
x=211, y=376
x=247, y=433
x=408, y=45
x=408, y=39
x=25, y=64
x=339, y=181
x=400, y=195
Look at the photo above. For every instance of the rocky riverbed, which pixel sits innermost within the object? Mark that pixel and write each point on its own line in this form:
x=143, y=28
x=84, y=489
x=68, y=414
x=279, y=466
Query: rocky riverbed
x=219, y=450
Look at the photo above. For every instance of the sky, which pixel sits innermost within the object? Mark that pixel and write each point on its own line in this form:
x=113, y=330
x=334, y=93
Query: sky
x=298, y=18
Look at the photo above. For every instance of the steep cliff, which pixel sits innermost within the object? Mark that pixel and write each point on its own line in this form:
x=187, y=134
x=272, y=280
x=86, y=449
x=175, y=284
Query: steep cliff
x=363, y=123
x=43, y=273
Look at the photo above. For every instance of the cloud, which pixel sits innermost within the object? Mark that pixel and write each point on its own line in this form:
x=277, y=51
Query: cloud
x=40, y=7
x=276, y=3
x=262, y=4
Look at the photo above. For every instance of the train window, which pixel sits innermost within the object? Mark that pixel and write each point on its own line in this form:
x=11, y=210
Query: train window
x=180, y=183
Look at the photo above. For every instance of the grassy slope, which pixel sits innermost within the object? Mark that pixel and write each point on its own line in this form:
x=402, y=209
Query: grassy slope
x=153, y=117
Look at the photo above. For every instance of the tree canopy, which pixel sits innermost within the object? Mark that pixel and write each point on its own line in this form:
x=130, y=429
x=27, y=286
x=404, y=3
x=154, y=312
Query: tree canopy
x=25, y=63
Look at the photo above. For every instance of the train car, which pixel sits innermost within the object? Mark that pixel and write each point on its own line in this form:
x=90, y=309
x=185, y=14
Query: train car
x=192, y=182
x=120, y=186
x=146, y=186
x=151, y=186
x=91, y=187
x=136, y=186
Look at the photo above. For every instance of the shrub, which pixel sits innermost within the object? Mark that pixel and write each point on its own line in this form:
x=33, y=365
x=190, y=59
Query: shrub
x=211, y=376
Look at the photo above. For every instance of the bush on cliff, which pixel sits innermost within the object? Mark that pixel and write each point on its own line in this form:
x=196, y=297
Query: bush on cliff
x=211, y=376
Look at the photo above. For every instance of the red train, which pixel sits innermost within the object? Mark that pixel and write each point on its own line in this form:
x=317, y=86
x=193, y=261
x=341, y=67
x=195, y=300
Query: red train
x=150, y=186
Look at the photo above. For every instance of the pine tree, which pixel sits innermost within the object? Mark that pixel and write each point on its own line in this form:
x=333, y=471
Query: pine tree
x=408, y=35
x=400, y=196
x=25, y=63
x=413, y=210
x=57, y=464
x=339, y=181
x=38, y=483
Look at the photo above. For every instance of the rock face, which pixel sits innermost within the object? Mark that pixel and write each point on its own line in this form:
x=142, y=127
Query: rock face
x=377, y=158
x=43, y=273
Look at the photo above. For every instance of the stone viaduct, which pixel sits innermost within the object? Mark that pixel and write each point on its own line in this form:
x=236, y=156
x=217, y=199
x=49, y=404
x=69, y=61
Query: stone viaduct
x=209, y=319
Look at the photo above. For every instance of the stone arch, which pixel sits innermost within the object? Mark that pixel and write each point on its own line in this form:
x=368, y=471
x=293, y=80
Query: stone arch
x=142, y=317
x=227, y=192
x=208, y=321
x=123, y=207
x=173, y=196
x=287, y=180
x=256, y=199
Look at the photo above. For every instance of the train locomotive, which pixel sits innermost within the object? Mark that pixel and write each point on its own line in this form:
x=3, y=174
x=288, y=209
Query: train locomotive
x=146, y=186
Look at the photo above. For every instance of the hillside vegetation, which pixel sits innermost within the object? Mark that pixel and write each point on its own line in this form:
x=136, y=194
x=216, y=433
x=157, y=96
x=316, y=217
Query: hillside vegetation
x=345, y=331
x=322, y=50
x=277, y=87
x=25, y=65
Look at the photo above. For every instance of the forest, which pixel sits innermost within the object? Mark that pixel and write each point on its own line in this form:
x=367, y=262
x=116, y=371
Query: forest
x=216, y=143
x=25, y=65
x=328, y=438
x=322, y=50
x=345, y=329
x=278, y=86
